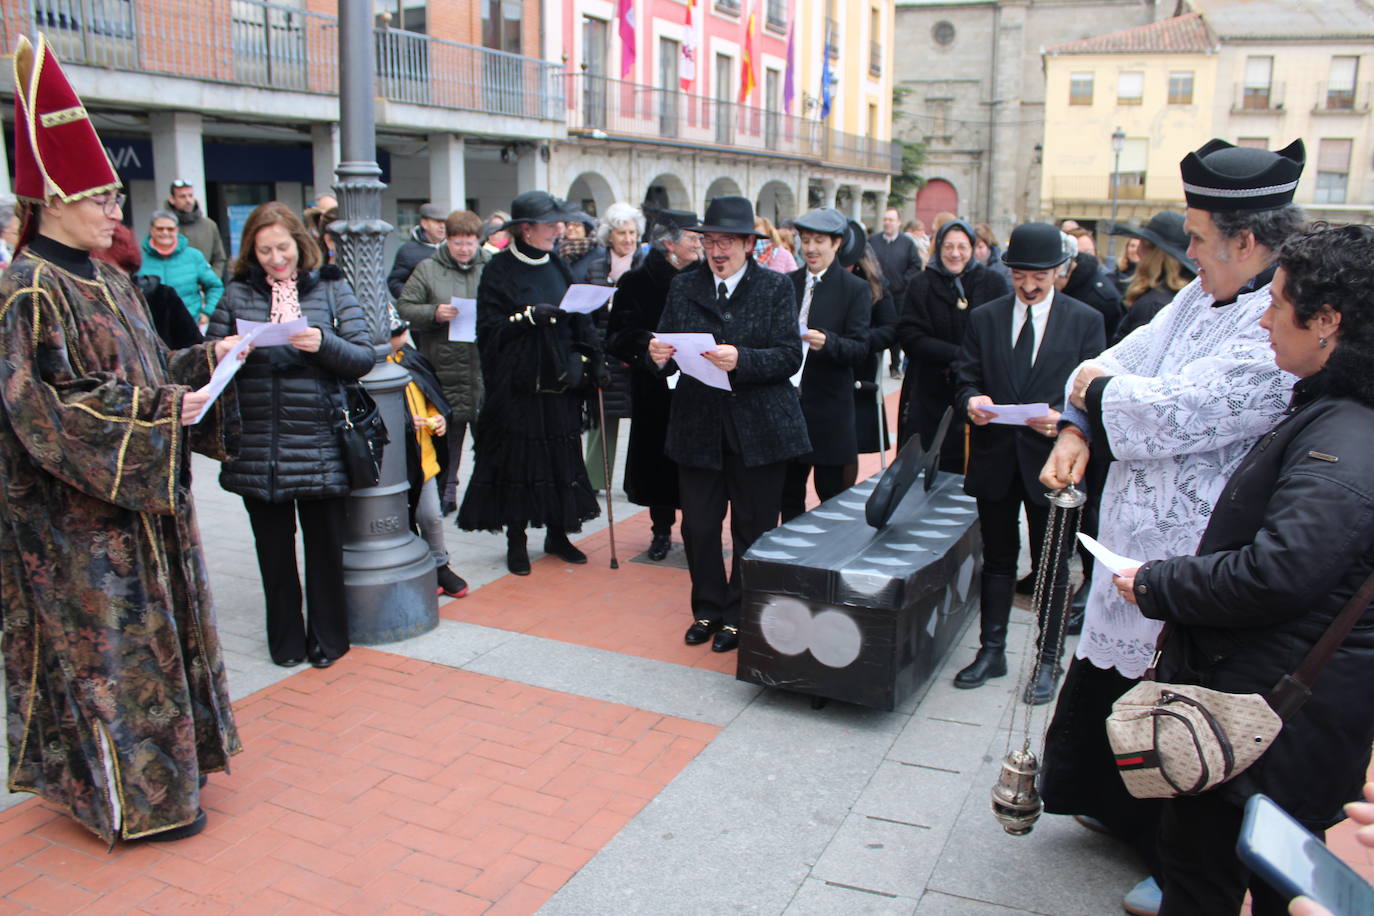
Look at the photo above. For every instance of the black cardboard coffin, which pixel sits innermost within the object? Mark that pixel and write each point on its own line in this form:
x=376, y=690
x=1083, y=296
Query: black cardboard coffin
x=834, y=608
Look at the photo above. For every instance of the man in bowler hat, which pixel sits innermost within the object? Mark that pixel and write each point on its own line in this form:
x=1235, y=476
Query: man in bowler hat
x=731, y=447
x=1018, y=349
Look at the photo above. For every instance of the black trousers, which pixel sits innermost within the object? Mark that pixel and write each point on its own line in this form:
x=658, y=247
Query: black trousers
x=274, y=534
x=1080, y=775
x=830, y=481
x=753, y=496
x=1000, y=520
x=1202, y=873
x=662, y=518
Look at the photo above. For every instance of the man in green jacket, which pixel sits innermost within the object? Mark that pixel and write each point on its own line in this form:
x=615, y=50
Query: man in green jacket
x=426, y=302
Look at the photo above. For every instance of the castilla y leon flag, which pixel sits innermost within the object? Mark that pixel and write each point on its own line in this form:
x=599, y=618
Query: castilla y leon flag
x=691, y=42
x=746, y=77
x=788, y=90
x=626, y=10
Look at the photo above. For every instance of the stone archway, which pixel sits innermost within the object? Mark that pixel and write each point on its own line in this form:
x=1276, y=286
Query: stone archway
x=667, y=192
x=723, y=186
x=776, y=202
x=935, y=196
x=591, y=192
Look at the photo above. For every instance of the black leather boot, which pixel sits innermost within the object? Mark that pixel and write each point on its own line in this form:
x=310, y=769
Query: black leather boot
x=1047, y=671
x=517, y=556
x=993, y=613
x=1078, y=608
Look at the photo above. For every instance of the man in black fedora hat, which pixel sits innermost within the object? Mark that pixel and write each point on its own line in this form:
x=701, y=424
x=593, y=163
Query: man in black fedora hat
x=1018, y=349
x=834, y=315
x=1174, y=407
x=731, y=447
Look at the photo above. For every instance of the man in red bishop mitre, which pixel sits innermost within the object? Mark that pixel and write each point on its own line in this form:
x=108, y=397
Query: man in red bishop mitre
x=115, y=688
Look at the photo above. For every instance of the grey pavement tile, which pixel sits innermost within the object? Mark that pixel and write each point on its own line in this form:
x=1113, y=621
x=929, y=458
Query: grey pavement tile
x=925, y=797
x=822, y=898
x=662, y=687
x=937, y=904
x=881, y=855
x=738, y=829
x=452, y=643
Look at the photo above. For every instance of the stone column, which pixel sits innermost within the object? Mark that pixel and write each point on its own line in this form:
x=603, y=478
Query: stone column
x=531, y=171
x=178, y=151
x=447, y=172
x=1008, y=154
x=324, y=151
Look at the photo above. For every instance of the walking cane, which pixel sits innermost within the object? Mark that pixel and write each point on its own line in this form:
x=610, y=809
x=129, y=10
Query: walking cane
x=606, y=471
x=882, y=416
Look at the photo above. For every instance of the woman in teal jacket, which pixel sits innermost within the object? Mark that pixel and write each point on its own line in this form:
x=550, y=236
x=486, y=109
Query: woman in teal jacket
x=169, y=257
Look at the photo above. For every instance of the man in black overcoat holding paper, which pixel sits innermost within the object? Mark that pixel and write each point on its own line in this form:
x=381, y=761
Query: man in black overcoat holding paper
x=1018, y=349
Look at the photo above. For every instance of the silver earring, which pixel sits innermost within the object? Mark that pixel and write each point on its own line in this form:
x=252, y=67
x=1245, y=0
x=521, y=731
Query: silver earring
x=1321, y=342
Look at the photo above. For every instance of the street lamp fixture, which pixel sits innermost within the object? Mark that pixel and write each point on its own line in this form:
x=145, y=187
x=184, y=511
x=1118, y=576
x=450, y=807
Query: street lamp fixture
x=1118, y=144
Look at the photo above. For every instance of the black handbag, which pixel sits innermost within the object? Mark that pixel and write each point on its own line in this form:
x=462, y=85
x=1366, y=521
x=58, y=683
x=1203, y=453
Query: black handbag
x=362, y=436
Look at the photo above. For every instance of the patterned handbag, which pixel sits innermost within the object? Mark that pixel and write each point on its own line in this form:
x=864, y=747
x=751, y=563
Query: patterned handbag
x=1179, y=739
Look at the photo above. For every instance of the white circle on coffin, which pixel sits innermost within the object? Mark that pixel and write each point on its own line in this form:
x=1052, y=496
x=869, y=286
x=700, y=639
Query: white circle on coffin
x=786, y=625
x=835, y=639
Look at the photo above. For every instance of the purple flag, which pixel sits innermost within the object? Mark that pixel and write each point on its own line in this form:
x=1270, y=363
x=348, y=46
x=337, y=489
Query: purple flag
x=787, y=85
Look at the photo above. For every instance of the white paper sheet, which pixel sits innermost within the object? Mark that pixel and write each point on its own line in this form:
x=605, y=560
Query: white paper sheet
x=271, y=335
x=582, y=298
x=225, y=370
x=1113, y=561
x=462, y=328
x=689, y=348
x=1017, y=414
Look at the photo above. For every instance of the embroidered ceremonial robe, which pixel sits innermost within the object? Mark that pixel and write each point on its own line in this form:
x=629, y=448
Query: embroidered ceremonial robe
x=114, y=684
x=1189, y=395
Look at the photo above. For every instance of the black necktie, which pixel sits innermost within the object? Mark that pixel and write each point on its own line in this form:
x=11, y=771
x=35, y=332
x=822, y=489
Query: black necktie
x=1023, y=354
x=722, y=294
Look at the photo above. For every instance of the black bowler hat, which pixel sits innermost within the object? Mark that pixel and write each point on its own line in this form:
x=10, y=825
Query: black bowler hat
x=677, y=219
x=1034, y=246
x=1221, y=176
x=1164, y=230
x=854, y=245
x=731, y=216
x=538, y=207
x=823, y=219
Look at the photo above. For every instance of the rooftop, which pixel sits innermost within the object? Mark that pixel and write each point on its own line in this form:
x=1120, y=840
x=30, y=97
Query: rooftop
x=1186, y=34
x=1288, y=19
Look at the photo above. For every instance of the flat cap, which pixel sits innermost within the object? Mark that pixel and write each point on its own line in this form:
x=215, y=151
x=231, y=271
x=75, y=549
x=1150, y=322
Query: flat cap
x=823, y=219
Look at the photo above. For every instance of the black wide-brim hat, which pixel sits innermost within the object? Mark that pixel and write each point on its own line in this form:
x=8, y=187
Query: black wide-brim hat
x=1164, y=230
x=538, y=207
x=854, y=245
x=731, y=216
x=677, y=219
x=1221, y=176
x=1034, y=246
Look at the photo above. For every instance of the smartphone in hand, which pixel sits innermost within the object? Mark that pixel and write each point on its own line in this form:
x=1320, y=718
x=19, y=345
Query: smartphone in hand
x=1294, y=862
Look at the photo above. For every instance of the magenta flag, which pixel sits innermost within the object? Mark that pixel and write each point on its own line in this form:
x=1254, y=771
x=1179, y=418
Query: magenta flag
x=625, y=9
x=787, y=85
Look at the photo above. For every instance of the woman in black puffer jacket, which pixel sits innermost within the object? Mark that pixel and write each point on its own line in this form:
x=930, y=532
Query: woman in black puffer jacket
x=289, y=463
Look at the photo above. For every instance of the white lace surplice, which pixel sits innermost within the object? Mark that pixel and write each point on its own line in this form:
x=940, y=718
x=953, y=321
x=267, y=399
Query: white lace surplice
x=1190, y=394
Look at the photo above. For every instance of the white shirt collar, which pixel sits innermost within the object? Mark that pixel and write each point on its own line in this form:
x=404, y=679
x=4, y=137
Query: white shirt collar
x=1040, y=318
x=730, y=282
x=816, y=278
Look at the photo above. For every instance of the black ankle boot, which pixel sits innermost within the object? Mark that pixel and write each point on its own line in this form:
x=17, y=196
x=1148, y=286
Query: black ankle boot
x=556, y=542
x=517, y=556
x=993, y=614
x=1041, y=688
x=1078, y=609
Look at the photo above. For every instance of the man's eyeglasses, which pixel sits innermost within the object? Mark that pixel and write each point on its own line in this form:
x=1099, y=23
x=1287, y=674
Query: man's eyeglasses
x=110, y=204
x=723, y=243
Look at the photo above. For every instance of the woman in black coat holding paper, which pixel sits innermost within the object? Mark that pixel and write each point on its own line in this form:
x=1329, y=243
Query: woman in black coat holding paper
x=651, y=478
x=732, y=446
x=1291, y=539
x=931, y=329
x=536, y=361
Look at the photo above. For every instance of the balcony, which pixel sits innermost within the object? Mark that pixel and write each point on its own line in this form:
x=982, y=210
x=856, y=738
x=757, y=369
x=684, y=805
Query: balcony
x=278, y=46
x=1257, y=99
x=605, y=108
x=1342, y=100
x=1098, y=188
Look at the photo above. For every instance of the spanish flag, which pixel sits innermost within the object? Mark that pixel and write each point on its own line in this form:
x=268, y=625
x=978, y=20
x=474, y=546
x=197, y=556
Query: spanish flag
x=746, y=77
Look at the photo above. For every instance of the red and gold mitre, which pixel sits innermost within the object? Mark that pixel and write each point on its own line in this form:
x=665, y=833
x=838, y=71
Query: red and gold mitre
x=57, y=153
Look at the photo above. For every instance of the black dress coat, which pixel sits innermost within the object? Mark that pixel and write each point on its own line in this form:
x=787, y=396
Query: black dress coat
x=930, y=329
x=650, y=475
x=882, y=331
x=1142, y=312
x=1290, y=540
x=840, y=307
x=760, y=319
x=528, y=437
x=1092, y=285
x=616, y=391
x=997, y=453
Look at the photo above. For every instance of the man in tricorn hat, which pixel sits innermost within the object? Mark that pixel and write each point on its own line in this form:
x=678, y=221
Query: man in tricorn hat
x=1018, y=349
x=116, y=688
x=1175, y=407
x=731, y=447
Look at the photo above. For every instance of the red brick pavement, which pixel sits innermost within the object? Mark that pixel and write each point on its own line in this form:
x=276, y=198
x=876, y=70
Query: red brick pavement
x=383, y=784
